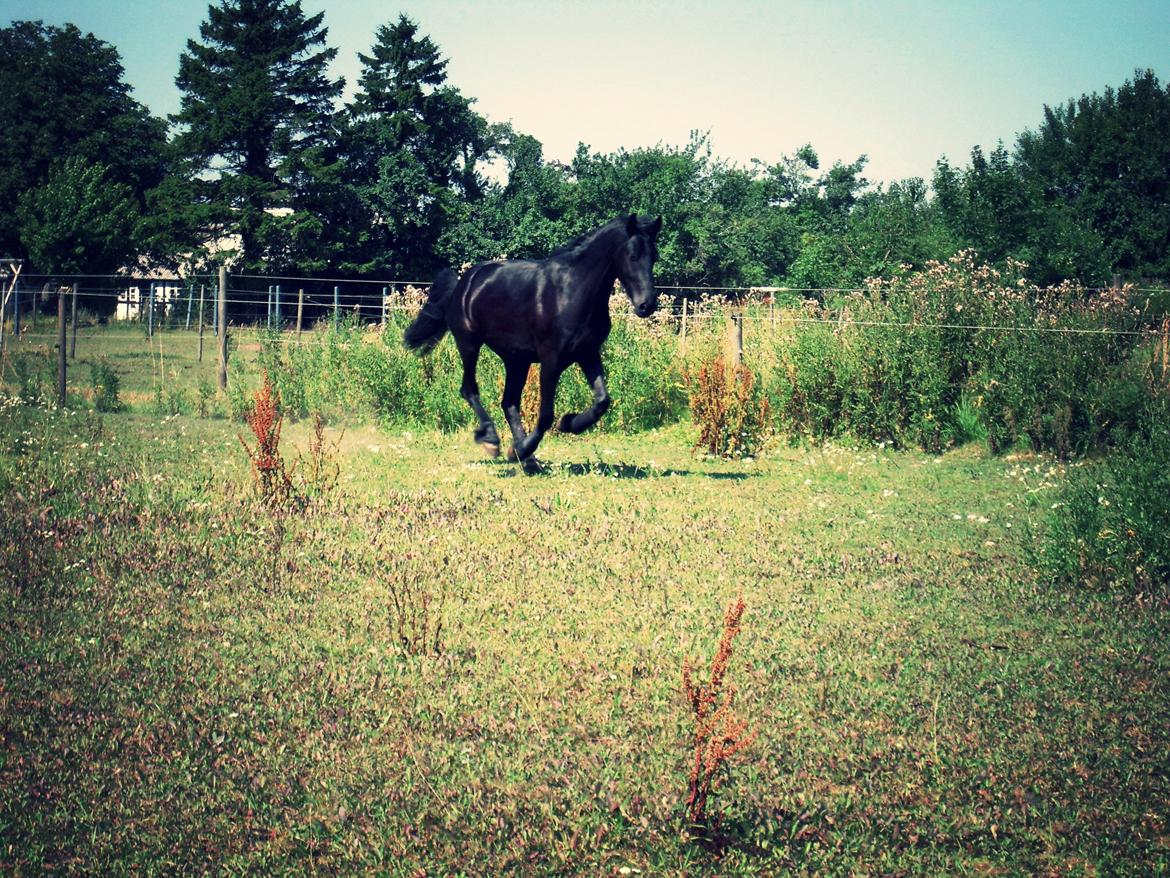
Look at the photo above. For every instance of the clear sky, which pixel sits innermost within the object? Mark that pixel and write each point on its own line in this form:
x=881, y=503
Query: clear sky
x=903, y=82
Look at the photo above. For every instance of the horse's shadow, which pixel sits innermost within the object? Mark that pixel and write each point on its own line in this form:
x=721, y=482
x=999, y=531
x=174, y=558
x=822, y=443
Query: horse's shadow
x=608, y=470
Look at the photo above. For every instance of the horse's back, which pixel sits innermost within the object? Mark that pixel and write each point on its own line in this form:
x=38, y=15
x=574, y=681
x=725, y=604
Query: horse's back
x=529, y=309
x=497, y=304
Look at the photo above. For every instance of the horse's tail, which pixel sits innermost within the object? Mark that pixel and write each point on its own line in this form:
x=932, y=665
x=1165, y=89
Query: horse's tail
x=430, y=325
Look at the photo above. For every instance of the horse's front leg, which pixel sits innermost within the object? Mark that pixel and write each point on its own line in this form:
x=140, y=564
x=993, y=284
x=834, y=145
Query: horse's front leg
x=550, y=374
x=515, y=375
x=595, y=374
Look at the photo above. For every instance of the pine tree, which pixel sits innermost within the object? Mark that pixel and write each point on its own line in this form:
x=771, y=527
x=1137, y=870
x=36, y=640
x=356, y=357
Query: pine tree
x=413, y=143
x=257, y=129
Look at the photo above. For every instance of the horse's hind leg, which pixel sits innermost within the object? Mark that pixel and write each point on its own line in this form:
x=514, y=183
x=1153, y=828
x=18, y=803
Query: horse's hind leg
x=485, y=433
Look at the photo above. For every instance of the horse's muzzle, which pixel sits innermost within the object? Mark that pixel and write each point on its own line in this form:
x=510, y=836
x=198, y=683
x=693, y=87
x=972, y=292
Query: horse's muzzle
x=645, y=309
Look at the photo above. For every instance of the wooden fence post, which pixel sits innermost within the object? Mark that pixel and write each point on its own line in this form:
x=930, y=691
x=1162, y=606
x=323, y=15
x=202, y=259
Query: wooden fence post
x=221, y=311
x=150, y=312
x=1166, y=348
x=300, y=310
x=682, y=343
x=737, y=333
x=73, y=327
x=61, y=347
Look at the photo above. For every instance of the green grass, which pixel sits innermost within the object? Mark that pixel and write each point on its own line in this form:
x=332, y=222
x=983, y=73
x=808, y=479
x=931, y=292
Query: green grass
x=190, y=686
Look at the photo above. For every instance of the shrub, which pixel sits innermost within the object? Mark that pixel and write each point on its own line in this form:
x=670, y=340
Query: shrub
x=643, y=371
x=960, y=350
x=106, y=387
x=206, y=394
x=1108, y=527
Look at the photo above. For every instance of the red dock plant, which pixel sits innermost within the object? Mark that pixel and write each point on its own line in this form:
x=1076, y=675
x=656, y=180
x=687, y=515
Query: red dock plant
x=719, y=734
x=729, y=408
x=268, y=467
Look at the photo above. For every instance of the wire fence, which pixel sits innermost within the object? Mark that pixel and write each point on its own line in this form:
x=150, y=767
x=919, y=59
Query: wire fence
x=260, y=309
x=258, y=302
x=274, y=302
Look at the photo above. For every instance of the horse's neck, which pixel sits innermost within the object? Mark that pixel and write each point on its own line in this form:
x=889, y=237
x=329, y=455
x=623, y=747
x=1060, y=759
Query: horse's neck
x=599, y=267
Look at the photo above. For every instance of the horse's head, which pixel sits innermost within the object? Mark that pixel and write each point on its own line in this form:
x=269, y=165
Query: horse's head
x=635, y=264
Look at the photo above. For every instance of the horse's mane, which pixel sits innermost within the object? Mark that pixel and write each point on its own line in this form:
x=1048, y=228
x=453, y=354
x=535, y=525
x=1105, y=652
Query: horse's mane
x=582, y=241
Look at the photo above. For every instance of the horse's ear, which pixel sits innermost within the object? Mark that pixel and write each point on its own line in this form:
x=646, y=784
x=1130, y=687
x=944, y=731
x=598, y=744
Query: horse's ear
x=632, y=225
x=655, y=227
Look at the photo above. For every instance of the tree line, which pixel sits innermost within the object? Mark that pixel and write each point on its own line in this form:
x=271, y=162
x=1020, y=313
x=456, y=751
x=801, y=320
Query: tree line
x=264, y=165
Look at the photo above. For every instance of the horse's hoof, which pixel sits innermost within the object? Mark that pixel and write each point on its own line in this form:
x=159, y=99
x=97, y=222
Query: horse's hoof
x=565, y=424
x=532, y=466
x=491, y=449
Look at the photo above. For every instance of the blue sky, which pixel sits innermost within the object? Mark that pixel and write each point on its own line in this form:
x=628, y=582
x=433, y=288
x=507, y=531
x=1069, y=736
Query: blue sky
x=903, y=82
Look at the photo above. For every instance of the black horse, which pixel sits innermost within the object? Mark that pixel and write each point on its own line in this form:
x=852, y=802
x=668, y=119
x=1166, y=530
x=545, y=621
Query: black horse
x=554, y=312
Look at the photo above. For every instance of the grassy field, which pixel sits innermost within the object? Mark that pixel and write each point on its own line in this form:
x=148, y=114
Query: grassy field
x=442, y=666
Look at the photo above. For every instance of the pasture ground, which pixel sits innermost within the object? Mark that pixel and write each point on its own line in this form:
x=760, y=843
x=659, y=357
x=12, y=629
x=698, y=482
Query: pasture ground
x=189, y=685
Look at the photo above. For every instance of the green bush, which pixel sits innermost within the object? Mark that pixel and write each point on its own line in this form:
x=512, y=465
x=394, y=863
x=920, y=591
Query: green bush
x=106, y=387
x=957, y=351
x=643, y=374
x=1108, y=527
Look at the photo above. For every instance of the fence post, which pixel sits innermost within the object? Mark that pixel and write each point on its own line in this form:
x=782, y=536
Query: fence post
x=200, y=321
x=269, y=323
x=221, y=311
x=1165, y=348
x=150, y=312
x=73, y=327
x=737, y=333
x=16, y=311
x=336, y=305
x=279, y=324
x=61, y=347
x=384, y=294
x=683, y=336
x=300, y=310
x=190, y=296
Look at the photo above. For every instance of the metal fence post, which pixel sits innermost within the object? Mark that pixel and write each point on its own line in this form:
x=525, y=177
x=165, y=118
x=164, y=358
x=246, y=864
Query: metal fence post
x=221, y=309
x=61, y=347
x=200, y=322
x=336, y=305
